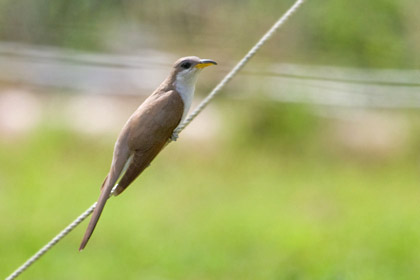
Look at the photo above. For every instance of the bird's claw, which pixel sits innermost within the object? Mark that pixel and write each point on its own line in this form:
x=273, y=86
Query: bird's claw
x=174, y=136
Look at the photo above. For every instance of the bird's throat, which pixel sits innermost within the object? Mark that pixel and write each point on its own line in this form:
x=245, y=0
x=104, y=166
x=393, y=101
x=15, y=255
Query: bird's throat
x=185, y=87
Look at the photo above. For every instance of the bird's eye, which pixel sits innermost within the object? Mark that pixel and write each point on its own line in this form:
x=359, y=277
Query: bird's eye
x=186, y=65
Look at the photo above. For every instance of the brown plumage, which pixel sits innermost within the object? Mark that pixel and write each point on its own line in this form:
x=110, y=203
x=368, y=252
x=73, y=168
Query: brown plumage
x=147, y=131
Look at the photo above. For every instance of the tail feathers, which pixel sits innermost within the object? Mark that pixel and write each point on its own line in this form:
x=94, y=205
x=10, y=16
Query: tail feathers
x=140, y=161
x=105, y=191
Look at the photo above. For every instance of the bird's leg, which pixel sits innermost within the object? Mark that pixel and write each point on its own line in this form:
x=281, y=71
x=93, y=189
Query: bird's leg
x=174, y=136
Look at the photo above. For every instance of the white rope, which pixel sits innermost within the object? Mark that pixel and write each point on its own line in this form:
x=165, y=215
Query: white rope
x=240, y=65
x=192, y=116
x=55, y=240
x=50, y=244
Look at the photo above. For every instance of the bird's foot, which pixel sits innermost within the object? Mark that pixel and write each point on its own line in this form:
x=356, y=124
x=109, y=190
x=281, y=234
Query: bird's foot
x=174, y=136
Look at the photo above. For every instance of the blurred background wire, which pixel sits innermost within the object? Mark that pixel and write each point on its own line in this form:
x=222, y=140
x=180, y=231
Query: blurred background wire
x=306, y=168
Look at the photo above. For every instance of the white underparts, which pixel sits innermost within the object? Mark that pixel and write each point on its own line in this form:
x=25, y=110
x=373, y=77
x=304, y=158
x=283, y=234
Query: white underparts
x=185, y=86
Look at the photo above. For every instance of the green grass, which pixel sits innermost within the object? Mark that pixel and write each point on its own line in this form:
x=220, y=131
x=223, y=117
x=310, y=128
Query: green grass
x=238, y=213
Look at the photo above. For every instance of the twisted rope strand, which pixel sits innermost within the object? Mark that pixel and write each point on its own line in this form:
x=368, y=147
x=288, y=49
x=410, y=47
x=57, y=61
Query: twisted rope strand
x=53, y=241
x=187, y=121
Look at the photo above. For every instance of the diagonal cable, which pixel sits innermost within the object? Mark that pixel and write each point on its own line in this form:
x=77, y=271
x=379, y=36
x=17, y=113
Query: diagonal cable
x=186, y=122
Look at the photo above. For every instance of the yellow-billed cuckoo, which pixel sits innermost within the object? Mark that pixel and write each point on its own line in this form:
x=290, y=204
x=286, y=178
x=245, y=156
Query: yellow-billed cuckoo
x=148, y=129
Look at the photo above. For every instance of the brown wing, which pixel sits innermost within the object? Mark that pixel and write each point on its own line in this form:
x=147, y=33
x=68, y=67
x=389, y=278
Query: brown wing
x=150, y=132
x=143, y=136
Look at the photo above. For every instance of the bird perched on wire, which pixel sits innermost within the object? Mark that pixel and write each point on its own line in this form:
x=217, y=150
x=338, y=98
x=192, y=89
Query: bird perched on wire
x=147, y=131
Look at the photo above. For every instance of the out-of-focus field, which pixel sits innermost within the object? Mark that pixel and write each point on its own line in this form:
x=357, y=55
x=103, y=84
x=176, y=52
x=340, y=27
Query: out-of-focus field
x=239, y=207
x=307, y=166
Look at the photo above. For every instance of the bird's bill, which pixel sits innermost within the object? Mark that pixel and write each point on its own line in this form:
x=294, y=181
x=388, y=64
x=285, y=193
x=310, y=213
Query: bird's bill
x=205, y=62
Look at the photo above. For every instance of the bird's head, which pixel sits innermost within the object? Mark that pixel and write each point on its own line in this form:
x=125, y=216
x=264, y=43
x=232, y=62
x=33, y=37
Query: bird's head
x=186, y=69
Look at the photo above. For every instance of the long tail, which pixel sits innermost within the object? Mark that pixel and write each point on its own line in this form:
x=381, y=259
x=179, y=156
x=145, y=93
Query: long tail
x=106, y=190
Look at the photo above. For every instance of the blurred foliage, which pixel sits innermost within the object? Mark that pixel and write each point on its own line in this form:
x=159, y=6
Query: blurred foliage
x=363, y=33
x=275, y=126
x=271, y=202
x=380, y=33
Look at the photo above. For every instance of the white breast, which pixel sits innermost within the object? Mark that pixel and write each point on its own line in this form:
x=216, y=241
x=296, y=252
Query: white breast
x=185, y=86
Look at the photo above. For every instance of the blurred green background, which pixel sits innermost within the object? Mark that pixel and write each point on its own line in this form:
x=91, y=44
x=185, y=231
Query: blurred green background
x=305, y=167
